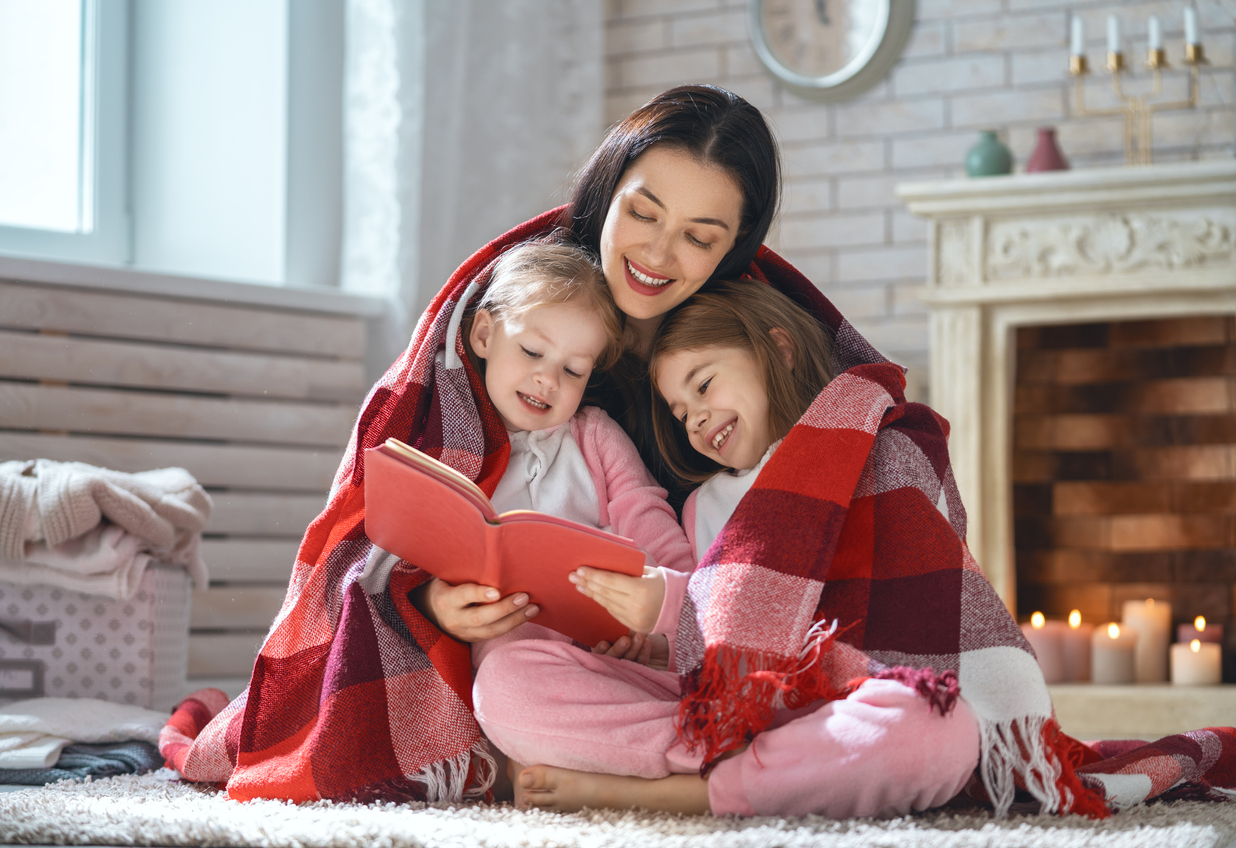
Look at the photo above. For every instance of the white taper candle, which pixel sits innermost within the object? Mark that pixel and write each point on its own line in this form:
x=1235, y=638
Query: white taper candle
x=1077, y=42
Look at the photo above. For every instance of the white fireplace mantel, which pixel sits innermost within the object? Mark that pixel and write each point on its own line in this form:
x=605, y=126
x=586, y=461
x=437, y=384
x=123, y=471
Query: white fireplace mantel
x=1055, y=248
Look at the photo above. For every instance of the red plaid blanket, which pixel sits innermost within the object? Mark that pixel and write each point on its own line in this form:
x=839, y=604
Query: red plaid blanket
x=355, y=696
x=847, y=560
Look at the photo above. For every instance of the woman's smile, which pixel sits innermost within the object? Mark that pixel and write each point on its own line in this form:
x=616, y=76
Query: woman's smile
x=641, y=280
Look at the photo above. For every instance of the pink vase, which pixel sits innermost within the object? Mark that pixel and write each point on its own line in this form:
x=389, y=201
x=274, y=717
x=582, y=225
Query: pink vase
x=1046, y=155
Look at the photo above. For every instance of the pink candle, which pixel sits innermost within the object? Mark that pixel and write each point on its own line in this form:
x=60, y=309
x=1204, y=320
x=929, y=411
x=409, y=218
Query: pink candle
x=1201, y=630
x=1076, y=649
x=1047, y=640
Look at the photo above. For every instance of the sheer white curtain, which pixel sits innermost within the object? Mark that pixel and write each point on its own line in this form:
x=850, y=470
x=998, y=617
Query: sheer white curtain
x=461, y=119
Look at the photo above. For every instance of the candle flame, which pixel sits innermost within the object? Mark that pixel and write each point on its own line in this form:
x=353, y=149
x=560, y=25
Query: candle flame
x=1199, y=623
x=1075, y=619
x=1037, y=621
x=1195, y=646
x=1113, y=631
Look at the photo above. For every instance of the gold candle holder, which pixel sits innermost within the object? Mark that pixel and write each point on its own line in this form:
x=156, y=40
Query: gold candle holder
x=1138, y=111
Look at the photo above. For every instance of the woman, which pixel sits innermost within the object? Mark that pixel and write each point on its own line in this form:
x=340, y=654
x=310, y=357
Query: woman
x=681, y=192
x=363, y=687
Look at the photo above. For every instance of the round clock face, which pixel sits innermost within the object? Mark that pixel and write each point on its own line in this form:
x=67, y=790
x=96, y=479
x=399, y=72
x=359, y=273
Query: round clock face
x=819, y=38
x=830, y=49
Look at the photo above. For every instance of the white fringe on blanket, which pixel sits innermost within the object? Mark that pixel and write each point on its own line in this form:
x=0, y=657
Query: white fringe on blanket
x=1003, y=759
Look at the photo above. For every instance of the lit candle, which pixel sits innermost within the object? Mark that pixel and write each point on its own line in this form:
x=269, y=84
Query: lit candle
x=1201, y=630
x=1076, y=649
x=1113, y=34
x=1077, y=44
x=1153, y=622
x=1111, y=655
x=1196, y=663
x=1154, y=33
x=1046, y=638
x=1190, y=25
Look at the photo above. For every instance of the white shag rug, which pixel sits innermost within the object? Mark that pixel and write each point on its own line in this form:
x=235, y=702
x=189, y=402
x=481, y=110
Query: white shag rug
x=158, y=811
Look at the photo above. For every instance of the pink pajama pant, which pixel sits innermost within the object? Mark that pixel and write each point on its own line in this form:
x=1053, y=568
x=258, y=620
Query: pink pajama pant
x=880, y=752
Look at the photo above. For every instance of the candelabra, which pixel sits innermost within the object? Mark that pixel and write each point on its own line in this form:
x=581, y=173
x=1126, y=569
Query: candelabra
x=1137, y=109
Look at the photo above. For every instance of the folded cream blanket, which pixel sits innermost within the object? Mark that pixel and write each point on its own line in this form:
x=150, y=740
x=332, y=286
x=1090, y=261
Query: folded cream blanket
x=33, y=732
x=94, y=529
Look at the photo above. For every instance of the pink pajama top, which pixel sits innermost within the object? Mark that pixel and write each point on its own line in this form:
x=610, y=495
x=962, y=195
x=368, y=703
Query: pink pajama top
x=588, y=470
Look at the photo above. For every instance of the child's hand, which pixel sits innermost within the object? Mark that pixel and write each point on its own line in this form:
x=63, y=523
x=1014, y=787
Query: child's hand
x=650, y=649
x=634, y=601
x=469, y=612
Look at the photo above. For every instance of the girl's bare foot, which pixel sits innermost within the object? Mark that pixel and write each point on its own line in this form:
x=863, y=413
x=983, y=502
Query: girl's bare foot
x=569, y=791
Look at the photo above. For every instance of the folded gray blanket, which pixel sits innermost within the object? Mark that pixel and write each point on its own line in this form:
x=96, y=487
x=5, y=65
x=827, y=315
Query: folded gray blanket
x=82, y=760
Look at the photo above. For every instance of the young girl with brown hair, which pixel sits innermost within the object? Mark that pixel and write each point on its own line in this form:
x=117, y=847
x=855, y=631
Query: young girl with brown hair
x=735, y=369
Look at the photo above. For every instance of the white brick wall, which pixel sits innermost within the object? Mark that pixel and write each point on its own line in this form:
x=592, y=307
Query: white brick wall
x=969, y=65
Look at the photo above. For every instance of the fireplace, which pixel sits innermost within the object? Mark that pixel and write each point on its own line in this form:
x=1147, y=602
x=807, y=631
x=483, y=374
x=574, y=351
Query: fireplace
x=1081, y=331
x=1123, y=482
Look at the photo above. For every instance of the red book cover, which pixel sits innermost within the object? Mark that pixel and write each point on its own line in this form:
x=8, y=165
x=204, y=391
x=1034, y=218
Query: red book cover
x=427, y=513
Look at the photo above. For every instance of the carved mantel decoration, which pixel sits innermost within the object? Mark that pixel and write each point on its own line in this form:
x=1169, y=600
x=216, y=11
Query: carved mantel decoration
x=1055, y=248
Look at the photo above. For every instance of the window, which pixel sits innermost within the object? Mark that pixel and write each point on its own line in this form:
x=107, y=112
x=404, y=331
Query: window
x=62, y=121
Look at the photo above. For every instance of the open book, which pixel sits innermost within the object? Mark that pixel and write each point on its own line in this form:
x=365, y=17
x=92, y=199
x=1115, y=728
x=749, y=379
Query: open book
x=429, y=514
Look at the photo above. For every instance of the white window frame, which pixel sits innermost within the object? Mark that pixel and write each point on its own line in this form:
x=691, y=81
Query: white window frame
x=105, y=153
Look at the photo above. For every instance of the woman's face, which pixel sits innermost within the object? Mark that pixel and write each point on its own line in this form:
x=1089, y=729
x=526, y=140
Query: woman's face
x=670, y=223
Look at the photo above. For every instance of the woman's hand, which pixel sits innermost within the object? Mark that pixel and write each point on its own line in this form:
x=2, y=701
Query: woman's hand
x=634, y=601
x=650, y=649
x=469, y=612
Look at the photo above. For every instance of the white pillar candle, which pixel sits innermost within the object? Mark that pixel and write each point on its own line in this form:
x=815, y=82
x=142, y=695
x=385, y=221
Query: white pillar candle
x=1047, y=639
x=1154, y=33
x=1076, y=649
x=1077, y=37
x=1153, y=622
x=1113, y=34
x=1196, y=663
x=1111, y=654
x=1190, y=22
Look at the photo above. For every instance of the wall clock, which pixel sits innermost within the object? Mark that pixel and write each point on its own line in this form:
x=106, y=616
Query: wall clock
x=830, y=49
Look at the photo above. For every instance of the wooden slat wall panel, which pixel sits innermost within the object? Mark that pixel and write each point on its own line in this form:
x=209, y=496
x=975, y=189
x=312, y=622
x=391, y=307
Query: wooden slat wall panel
x=269, y=467
x=256, y=402
x=128, y=316
x=33, y=407
x=222, y=654
x=251, y=514
x=236, y=607
x=250, y=560
x=76, y=360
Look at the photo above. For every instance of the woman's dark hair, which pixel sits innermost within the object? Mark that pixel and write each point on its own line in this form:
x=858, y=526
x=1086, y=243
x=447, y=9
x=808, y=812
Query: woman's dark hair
x=712, y=125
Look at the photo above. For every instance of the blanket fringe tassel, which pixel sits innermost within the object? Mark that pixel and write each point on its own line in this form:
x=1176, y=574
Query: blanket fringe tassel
x=724, y=707
x=1024, y=752
x=466, y=777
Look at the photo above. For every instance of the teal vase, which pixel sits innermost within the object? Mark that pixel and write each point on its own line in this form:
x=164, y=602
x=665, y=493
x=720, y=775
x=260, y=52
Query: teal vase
x=989, y=157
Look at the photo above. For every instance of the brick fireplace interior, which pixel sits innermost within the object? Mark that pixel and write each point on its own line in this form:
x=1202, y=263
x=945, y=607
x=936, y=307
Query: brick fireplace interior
x=1124, y=469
